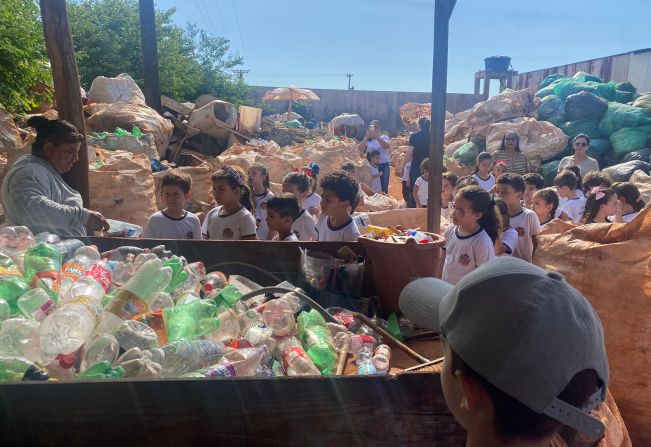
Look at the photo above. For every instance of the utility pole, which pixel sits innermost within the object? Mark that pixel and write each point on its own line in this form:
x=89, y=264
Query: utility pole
x=349, y=75
x=67, y=91
x=240, y=73
x=150, y=54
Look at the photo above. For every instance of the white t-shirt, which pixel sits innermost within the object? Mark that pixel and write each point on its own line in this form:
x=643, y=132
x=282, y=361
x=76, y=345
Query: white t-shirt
x=327, y=233
x=376, y=183
x=574, y=208
x=630, y=216
x=312, y=201
x=422, y=190
x=229, y=227
x=305, y=227
x=509, y=237
x=405, y=172
x=487, y=184
x=463, y=254
x=291, y=238
x=161, y=226
x=544, y=224
x=261, y=214
x=526, y=224
x=373, y=145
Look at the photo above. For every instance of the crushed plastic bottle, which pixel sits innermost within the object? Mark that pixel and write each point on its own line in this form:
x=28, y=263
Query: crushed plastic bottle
x=12, y=284
x=317, y=341
x=43, y=268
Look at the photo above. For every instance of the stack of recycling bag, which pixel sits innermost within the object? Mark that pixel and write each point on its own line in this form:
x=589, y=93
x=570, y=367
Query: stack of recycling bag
x=614, y=116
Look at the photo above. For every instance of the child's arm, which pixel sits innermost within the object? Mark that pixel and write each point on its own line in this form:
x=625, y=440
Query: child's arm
x=415, y=194
x=534, y=239
x=500, y=248
x=367, y=189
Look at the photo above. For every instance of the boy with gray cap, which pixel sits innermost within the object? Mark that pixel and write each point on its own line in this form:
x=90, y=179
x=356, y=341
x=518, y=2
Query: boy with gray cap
x=524, y=352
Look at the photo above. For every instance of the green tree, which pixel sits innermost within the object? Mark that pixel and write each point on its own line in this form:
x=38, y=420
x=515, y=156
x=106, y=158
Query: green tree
x=23, y=59
x=106, y=34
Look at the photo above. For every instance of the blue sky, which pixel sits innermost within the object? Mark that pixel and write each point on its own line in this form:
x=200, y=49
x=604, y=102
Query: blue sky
x=387, y=44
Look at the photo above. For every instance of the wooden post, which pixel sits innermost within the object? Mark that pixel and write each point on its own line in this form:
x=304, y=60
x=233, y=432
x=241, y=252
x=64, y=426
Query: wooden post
x=65, y=74
x=442, y=12
x=150, y=54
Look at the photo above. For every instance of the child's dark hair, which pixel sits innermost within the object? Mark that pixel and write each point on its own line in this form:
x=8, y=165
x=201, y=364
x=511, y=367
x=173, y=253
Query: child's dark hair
x=286, y=205
x=514, y=420
x=534, y=179
x=451, y=178
x=511, y=179
x=466, y=180
x=348, y=167
x=343, y=185
x=263, y=170
x=566, y=178
x=300, y=179
x=593, y=204
x=550, y=197
x=182, y=181
x=503, y=208
x=577, y=171
x=52, y=131
x=424, y=165
x=482, y=202
x=629, y=193
x=483, y=156
x=594, y=178
x=373, y=153
x=235, y=179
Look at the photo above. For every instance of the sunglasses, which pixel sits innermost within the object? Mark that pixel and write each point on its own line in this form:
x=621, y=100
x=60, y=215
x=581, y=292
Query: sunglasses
x=581, y=144
x=510, y=139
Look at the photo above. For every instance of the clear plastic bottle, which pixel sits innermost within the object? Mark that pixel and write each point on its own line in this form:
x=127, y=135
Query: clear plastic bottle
x=20, y=338
x=135, y=296
x=68, y=248
x=5, y=311
x=190, y=321
x=229, y=327
x=196, y=272
x=364, y=363
x=14, y=242
x=317, y=340
x=36, y=304
x=278, y=315
x=421, y=237
x=382, y=359
x=245, y=361
x=99, y=348
x=184, y=356
x=161, y=300
x=84, y=257
x=71, y=325
x=213, y=280
x=295, y=360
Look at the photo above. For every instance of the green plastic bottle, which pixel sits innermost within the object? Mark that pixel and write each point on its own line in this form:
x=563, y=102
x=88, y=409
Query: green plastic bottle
x=102, y=370
x=317, y=341
x=190, y=321
x=227, y=298
x=12, y=284
x=43, y=268
x=179, y=275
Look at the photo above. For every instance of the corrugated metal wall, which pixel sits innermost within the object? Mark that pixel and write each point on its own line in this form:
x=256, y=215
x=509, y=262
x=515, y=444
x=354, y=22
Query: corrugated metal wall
x=634, y=66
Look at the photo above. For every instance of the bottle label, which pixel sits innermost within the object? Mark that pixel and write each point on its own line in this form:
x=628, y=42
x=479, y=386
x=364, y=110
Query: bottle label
x=12, y=270
x=95, y=309
x=72, y=271
x=226, y=370
x=126, y=305
x=50, y=280
x=155, y=321
x=43, y=311
x=101, y=275
x=290, y=355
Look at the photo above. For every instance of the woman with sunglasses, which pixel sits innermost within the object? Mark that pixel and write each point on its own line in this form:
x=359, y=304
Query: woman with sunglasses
x=586, y=164
x=509, y=153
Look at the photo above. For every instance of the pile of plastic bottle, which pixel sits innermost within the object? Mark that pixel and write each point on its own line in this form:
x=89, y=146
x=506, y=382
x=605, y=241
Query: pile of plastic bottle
x=68, y=312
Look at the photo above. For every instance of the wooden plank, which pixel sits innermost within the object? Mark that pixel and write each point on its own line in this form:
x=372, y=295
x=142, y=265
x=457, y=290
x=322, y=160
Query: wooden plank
x=319, y=411
x=175, y=106
x=67, y=90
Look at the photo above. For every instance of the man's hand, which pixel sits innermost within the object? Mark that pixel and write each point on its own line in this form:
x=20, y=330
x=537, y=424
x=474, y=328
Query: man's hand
x=96, y=222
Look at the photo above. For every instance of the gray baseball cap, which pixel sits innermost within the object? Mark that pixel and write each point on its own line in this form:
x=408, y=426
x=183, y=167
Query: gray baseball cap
x=525, y=330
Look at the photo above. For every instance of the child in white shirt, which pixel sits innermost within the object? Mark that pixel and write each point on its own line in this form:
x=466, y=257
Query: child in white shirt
x=304, y=226
x=631, y=202
x=335, y=222
x=421, y=185
x=482, y=173
x=231, y=219
x=259, y=184
x=448, y=183
x=545, y=204
x=405, y=183
x=282, y=210
x=469, y=241
x=376, y=174
x=566, y=186
x=173, y=222
x=508, y=240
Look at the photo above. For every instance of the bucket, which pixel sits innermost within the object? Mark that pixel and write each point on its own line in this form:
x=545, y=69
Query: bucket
x=331, y=281
x=396, y=265
x=497, y=63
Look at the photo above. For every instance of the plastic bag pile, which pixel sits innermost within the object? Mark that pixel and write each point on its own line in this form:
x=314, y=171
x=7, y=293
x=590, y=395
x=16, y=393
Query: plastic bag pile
x=68, y=312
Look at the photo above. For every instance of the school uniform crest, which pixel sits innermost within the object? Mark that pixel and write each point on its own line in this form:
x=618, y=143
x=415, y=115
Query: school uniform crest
x=228, y=233
x=520, y=231
x=464, y=260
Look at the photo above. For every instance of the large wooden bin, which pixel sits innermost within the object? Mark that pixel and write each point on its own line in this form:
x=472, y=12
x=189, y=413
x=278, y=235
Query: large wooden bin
x=405, y=410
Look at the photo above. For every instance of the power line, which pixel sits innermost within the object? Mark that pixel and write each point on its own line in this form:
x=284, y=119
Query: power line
x=239, y=30
x=221, y=19
x=297, y=75
x=204, y=16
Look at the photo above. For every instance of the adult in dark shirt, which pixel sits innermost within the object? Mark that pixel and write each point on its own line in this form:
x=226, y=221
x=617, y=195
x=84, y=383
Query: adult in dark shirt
x=417, y=151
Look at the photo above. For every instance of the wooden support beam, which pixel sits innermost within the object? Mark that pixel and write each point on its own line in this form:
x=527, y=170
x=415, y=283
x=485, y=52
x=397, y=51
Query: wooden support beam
x=65, y=74
x=150, y=55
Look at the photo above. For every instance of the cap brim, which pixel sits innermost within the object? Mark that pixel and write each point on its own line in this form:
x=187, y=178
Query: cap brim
x=420, y=301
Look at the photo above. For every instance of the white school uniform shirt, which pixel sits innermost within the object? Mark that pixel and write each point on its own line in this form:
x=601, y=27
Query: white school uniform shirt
x=162, y=226
x=312, y=201
x=348, y=232
x=526, y=224
x=487, y=183
x=261, y=214
x=574, y=208
x=405, y=172
x=544, y=224
x=229, y=227
x=374, y=145
x=291, y=238
x=376, y=183
x=422, y=190
x=509, y=237
x=463, y=254
x=630, y=216
x=304, y=227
